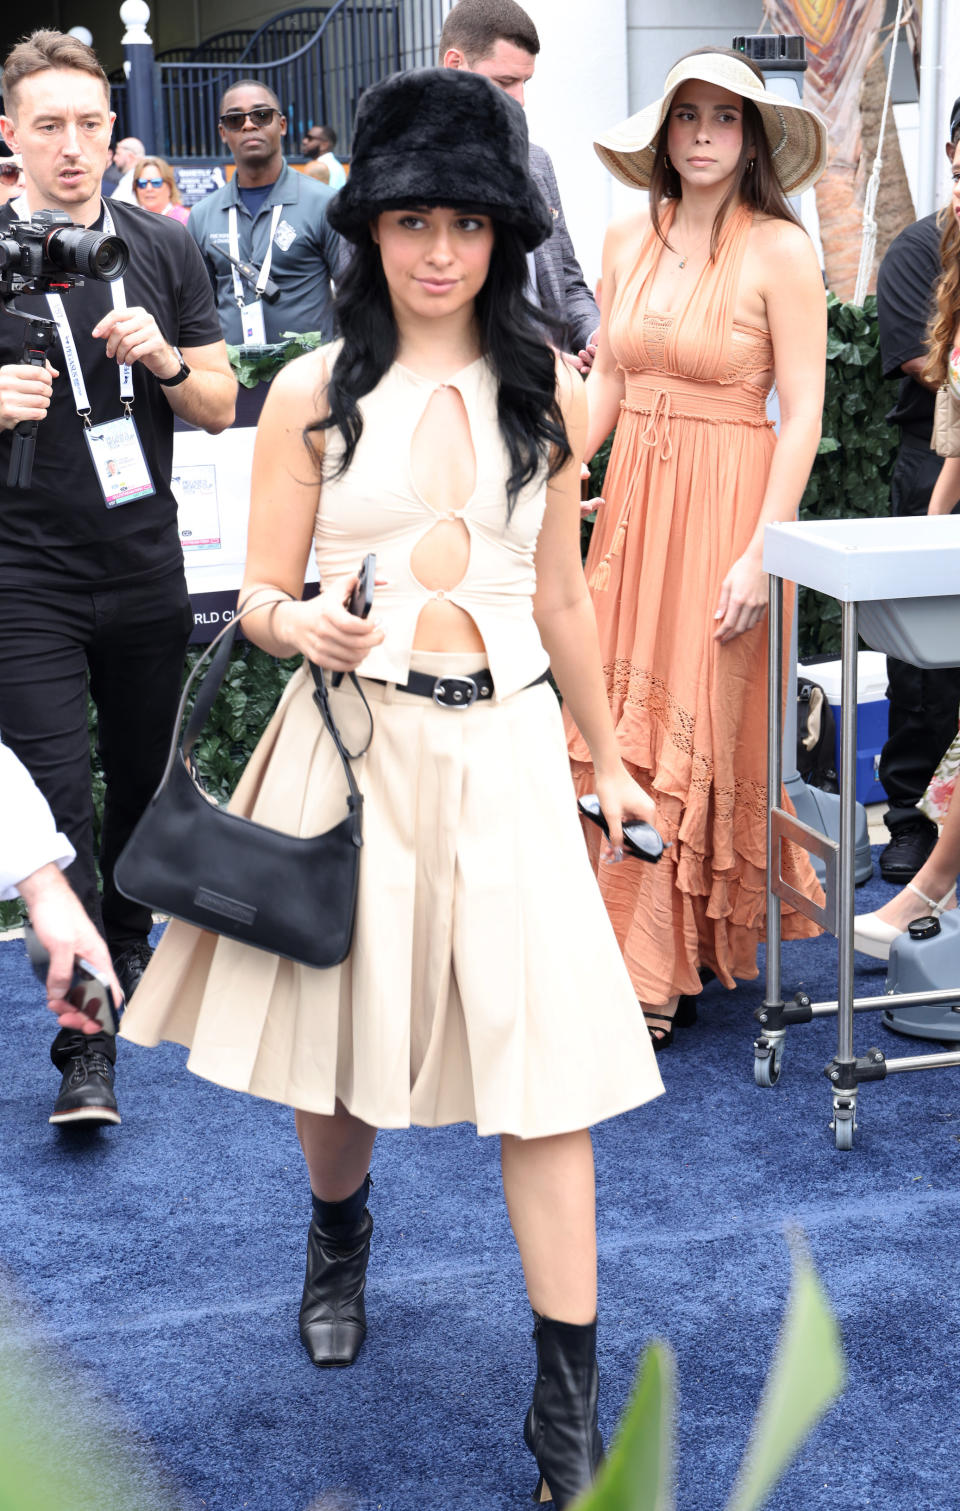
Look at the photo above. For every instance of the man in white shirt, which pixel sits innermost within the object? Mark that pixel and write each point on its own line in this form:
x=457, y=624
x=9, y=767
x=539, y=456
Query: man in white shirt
x=317, y=147
x=32, y=856
x=126, y=154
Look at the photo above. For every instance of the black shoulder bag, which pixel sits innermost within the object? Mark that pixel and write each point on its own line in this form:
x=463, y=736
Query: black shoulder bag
x=192, y=858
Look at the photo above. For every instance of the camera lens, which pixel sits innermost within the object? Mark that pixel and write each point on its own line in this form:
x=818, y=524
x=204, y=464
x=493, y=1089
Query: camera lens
x=76, y=250
x=9, y=251
x=109, y=258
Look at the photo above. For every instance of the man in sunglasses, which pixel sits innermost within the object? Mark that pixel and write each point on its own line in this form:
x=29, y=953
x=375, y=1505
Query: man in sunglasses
x=11, y=177
x=272, y=220
x=317, y=147
x=92, y=588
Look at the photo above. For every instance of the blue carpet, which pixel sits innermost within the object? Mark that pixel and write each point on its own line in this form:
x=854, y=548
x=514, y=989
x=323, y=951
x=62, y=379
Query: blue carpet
x=164, y=1261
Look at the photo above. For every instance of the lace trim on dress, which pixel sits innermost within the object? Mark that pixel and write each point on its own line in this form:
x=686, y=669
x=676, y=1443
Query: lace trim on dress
x=656, y=329
x=749, y=353
x=641, y=689
x=744, y=357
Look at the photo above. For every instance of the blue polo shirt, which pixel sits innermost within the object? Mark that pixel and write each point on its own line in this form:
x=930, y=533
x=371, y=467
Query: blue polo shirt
x=306, y=252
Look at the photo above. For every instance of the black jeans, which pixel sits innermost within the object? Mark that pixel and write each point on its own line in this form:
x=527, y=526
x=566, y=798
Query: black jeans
x=131, y=642
x=923, y=704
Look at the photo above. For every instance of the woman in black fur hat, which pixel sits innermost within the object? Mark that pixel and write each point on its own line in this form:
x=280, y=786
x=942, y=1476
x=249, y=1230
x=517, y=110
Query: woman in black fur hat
x=484, y=983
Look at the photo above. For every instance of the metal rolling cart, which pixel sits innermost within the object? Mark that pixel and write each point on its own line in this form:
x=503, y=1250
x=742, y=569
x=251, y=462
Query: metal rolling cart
x=898, y=584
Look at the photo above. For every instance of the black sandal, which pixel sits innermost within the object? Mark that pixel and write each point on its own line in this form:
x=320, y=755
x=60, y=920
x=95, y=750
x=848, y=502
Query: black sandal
x=660, y=1039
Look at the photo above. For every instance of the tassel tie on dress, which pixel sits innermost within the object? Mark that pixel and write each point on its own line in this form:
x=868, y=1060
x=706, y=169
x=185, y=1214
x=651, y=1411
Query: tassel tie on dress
x=656, y=433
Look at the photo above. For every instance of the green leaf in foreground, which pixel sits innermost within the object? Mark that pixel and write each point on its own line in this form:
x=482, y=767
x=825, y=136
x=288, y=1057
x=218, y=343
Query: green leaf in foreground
x=638, y=1472
x=60, y=1448
x=806, y=1377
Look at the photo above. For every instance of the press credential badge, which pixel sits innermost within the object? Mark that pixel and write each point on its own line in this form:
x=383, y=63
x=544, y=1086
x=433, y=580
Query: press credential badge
x=118, y=461
x=254, y=329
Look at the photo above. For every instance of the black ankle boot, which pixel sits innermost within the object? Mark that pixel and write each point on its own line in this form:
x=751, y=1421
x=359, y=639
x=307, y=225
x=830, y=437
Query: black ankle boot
x=333, y=1319
x=561, y=1428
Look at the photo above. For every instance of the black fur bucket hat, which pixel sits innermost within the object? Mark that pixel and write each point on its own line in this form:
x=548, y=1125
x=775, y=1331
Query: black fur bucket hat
x=440, y=136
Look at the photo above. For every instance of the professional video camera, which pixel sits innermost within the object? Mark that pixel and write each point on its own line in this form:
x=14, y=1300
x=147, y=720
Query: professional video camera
x=44, y=255
x=49, y=252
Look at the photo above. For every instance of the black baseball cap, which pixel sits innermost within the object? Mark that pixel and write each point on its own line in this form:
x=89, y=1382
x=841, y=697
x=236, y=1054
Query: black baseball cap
x=955, y=119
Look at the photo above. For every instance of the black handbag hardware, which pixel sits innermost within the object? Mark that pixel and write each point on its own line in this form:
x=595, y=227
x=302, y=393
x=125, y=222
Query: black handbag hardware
x=190, y=857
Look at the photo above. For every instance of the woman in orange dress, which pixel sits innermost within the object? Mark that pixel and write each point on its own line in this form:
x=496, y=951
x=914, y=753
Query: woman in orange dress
x=709, y=297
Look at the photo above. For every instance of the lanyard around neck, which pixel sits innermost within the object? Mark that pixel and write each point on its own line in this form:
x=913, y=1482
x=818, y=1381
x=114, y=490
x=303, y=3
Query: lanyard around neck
x=263, y=277
x=69, y=346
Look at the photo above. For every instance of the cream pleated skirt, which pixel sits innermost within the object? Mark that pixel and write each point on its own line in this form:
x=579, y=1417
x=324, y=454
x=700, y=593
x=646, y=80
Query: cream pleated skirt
x=484, y=985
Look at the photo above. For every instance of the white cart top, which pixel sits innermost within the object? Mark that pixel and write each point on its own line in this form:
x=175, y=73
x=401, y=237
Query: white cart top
x=859, y=560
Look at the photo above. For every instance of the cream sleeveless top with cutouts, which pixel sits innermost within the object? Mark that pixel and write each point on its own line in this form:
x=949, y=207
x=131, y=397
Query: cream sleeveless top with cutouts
x=375, y=506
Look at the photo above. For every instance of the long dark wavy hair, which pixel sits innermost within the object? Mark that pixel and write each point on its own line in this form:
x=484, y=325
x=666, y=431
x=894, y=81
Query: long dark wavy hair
x=511, y=332
x=754, y=182
x=946, y=313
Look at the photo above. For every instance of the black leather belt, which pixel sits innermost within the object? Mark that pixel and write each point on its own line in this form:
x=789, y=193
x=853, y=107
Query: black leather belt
x=455, y=692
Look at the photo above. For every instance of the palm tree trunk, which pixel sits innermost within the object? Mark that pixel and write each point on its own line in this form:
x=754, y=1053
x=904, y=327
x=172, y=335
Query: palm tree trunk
x=895, y=208
x=841, y=37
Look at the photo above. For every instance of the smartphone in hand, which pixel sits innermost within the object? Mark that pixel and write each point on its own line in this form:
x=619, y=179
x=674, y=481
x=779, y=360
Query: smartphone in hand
x=89, y=991
x=360, y=601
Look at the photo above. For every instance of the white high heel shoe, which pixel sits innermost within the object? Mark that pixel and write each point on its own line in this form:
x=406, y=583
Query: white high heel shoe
x=874, y=936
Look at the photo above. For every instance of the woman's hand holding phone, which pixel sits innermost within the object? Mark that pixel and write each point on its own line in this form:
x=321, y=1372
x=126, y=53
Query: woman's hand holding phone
x=324, y=631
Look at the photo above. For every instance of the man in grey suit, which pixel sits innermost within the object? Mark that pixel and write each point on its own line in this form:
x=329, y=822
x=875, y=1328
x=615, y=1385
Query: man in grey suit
x=498, y=39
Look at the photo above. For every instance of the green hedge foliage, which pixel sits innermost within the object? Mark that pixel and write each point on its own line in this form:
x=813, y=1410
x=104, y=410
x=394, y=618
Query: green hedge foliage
x=851, y=474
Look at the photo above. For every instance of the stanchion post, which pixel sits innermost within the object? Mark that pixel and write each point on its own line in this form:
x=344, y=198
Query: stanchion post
x=774, y=741
x=139, y=69
x=848, y=831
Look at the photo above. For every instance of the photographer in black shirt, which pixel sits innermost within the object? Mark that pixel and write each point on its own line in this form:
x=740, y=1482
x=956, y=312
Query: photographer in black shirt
x=91, y=571
x=923, y=703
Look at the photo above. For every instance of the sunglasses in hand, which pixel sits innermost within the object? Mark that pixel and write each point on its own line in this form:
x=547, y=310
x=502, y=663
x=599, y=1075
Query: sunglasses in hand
x=149, y=183
x=233, y=119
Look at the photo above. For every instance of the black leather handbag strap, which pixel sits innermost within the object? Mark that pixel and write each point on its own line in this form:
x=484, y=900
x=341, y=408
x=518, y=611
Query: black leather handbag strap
x=217, y=653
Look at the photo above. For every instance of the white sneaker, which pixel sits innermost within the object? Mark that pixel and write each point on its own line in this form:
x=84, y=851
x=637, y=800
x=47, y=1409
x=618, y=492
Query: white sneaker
x=874, y=936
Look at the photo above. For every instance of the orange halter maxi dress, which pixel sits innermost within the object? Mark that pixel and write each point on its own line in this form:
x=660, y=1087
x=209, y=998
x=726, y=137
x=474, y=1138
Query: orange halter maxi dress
x=683, y=492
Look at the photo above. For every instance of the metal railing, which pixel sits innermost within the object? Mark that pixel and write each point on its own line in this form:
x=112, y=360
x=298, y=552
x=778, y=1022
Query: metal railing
x=223, y=47
x=317, y=60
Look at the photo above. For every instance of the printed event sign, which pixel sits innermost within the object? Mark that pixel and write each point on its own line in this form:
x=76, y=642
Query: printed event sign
x=211, y=483
x=195, y=182
x=195, y=490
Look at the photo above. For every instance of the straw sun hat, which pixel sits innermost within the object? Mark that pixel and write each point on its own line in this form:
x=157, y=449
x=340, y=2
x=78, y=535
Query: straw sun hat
x=797, y=135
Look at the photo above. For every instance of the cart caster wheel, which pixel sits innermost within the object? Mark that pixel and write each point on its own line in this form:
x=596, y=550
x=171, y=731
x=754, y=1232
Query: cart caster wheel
x=843, y=1132
x=766, y=1064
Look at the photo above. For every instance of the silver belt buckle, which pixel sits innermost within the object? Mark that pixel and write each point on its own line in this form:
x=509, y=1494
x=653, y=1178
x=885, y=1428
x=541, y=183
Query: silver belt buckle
x=455, y=692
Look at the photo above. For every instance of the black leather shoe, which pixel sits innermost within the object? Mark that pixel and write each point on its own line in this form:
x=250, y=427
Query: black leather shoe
x=561, y=1427
x=333, y=1318
x=909, y=846
x=130, y=964
x=86, y=1092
